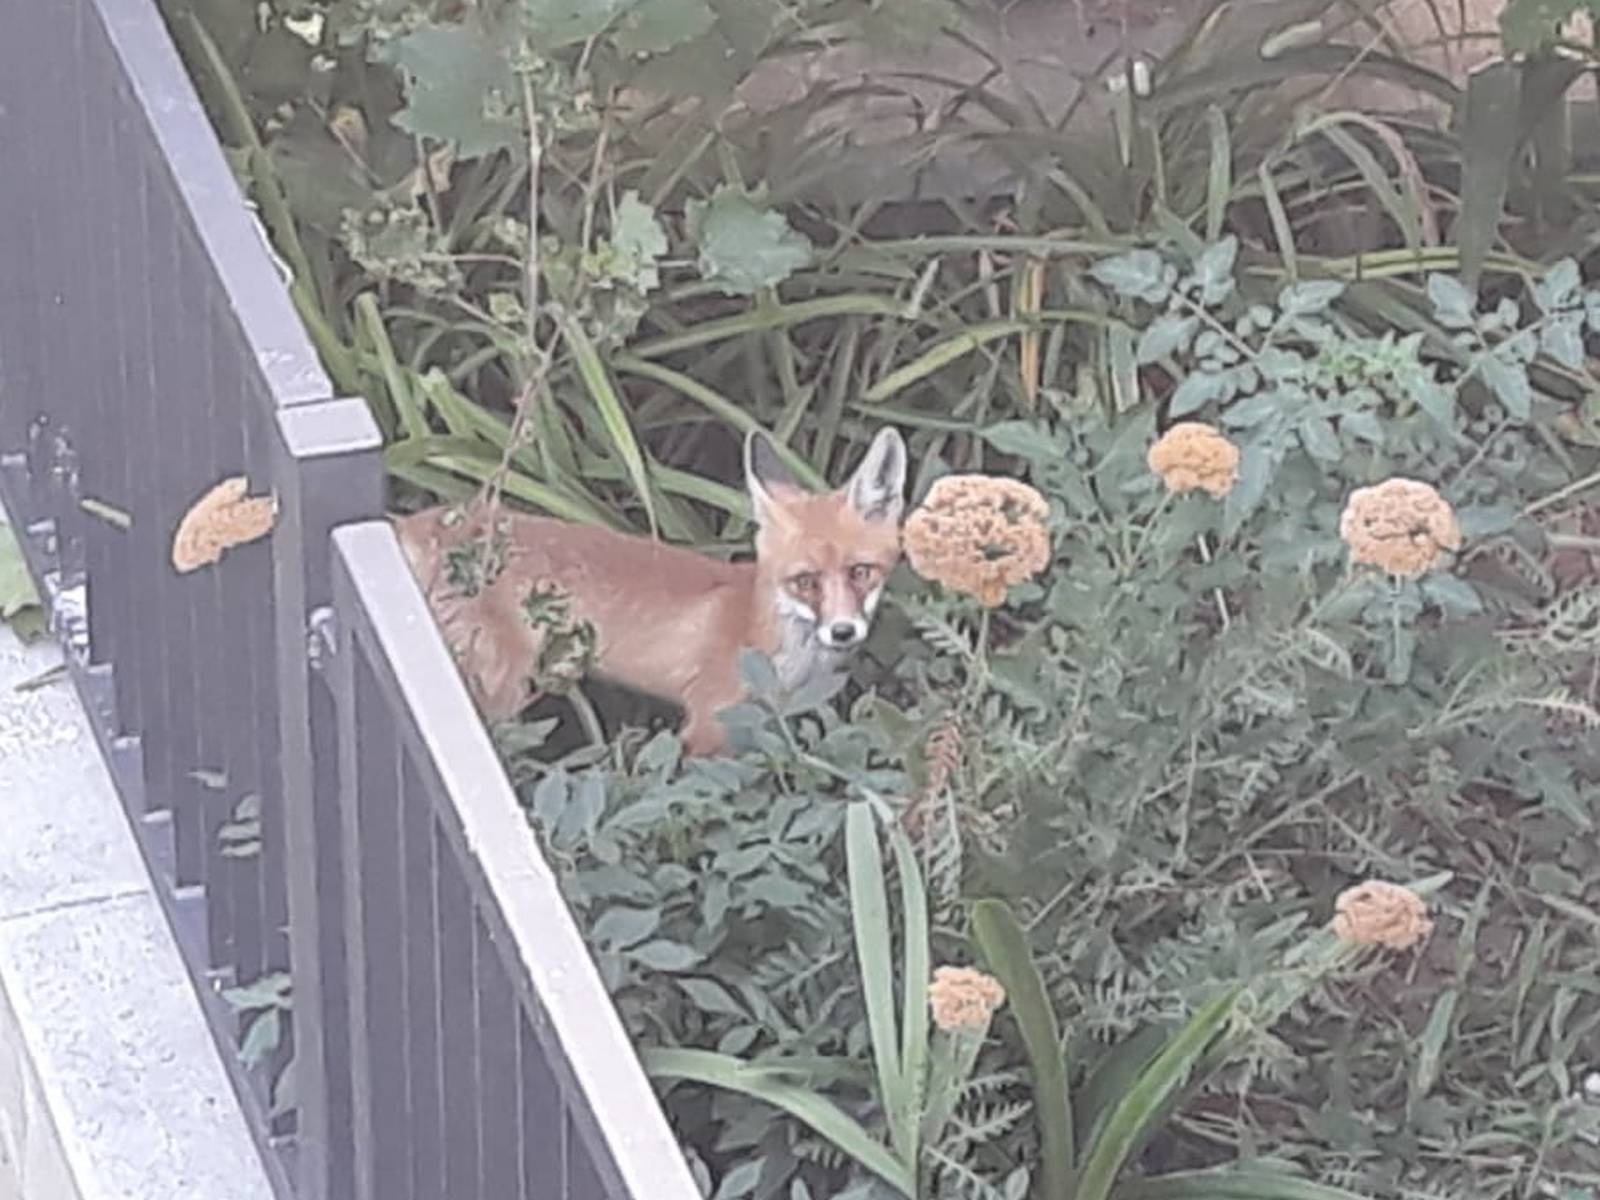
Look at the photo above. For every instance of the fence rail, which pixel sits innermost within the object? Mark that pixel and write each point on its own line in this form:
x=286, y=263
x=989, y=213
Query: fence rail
x=347, y=826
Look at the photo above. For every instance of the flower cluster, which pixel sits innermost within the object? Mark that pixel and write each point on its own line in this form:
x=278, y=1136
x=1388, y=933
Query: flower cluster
x=1194, y=455
x=978, y=534
x=1401, y=525
x=963, y=998
x=1376, y=913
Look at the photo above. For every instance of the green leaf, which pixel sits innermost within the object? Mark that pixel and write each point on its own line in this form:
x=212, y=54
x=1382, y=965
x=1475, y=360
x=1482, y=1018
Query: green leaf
x=869, y=914
x=1231, y=1183
x=1164, y=335
x=637, y=236
x=914, y=982
x=1129, y=1121
x=1453, y=304
x=1558, y=287
x=662, y=955
x=721, y=1070
x=1531, y=25
x=744, y=247
x=552, y=24
x=624, y=926
x=652, y=26
x=1489, y=140
x=1310, y=297
x=1509, y=382
x=266, y=1031
x=1214, y=270
x=1319, y=439
x=1453, y=596
x=459, y=88
x=16, y=585
x=1364, y=426
x=1004, y=944
x=1562, y=339
x=1141, y=274
x=613, y=416
x=1195, y=392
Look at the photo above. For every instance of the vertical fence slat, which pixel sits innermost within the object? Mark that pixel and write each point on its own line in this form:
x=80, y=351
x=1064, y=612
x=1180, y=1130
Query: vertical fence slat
x=425, y=1143
x=543, y=1152
x=458, y=1043
x=497, y=1072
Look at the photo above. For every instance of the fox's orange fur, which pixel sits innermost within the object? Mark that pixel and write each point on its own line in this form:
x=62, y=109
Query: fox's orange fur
x=668, y=621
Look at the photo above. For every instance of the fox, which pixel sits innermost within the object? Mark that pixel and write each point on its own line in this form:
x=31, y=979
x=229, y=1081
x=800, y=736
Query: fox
x=666, y=620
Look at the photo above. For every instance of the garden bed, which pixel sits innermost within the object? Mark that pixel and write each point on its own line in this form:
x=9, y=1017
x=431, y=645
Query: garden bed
x=1136, y=790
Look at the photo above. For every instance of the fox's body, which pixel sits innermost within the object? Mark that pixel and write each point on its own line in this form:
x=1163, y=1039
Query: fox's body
x=668, y=621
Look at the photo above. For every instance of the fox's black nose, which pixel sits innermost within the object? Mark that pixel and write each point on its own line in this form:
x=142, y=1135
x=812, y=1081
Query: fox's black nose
x=843, y=633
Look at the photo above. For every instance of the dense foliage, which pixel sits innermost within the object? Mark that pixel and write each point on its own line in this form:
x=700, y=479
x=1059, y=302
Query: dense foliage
x=1134, y=791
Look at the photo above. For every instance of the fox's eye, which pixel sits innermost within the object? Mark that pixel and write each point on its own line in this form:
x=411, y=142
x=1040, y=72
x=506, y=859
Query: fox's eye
x=804, y=582
x=862, y=574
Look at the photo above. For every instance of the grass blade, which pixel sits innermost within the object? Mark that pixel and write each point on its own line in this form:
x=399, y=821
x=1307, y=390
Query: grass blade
x=1131, y=1119
x=612, y=413
x=821, y=1114
x=869, y=911
x=1219, y=181
x=1004, y=944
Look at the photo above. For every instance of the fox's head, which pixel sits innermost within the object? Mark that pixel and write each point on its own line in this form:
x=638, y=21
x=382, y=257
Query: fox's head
x=826, y=556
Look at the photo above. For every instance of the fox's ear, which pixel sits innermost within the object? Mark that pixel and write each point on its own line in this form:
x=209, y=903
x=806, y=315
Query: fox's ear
x=764, y=471
x=877, y=489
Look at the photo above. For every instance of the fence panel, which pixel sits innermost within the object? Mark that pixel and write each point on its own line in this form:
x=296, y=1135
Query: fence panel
x=480, y=1025
x=148, y=350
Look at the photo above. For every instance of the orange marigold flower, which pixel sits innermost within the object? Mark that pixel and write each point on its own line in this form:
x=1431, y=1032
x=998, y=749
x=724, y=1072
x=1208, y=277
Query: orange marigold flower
x=978, y=534
x=963, y=998
x=1401, y=525
x=1376, y=913
x=1194, y=455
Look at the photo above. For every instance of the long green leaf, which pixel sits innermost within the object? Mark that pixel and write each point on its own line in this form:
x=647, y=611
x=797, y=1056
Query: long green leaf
x=1231, y=1183
x=869, y=912
x=914, y=982
x=720, y=406
x=776, y=316
x=942, y=355
x=370, y=327
x=1004, y=944
x=1131, y=1118
x=612, y=413
x=1489, y=140
x=725, y=1071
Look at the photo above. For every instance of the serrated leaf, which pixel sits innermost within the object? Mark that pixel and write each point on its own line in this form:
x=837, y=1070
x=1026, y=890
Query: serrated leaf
x=266, y=1031
x=1319, y=439
x=1562, y=339
x=653, y=26
x=1509, y=382
x=1558, y=287
x=459, y=88
x=1195, y=392
x=1257, y=464
x=1453, y=304
x=1309, y=297
x=1436, y=400
x=1025, y=439
x=637, y=235
x=1164, y=335
x=1138, y=274
x=1214, y=270
x=744, y=247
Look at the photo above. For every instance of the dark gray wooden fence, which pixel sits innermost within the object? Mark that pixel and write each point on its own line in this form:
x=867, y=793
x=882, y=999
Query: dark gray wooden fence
x=296, y=754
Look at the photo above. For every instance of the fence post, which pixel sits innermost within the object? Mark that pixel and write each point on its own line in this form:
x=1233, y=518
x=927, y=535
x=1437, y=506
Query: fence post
x=330, y=471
